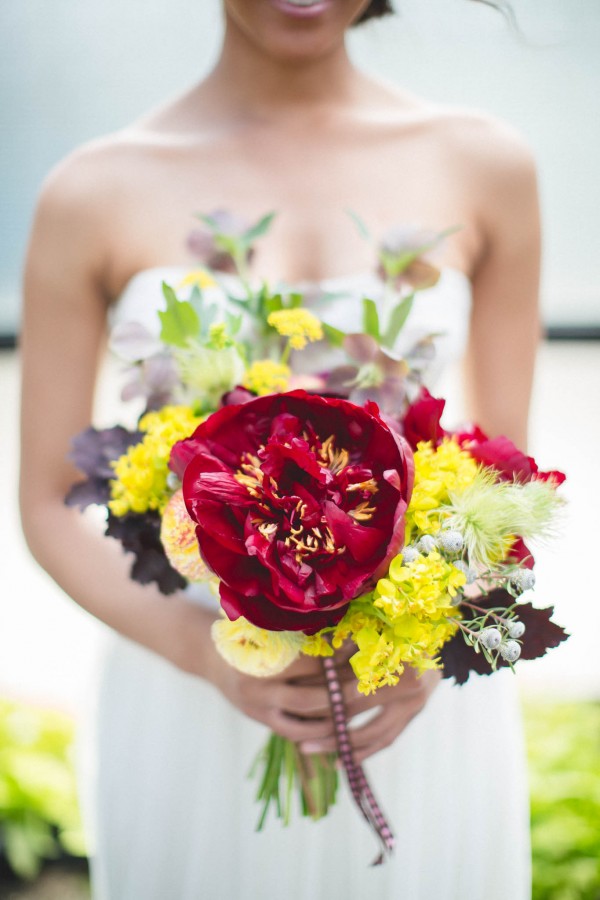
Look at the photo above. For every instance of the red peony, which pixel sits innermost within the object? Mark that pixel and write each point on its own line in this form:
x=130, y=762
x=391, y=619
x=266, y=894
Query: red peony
x=299, y=505
x=421, y=421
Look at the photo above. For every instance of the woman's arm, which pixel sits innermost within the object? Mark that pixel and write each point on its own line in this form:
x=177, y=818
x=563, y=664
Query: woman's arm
x=505, y=325
x=63, y=337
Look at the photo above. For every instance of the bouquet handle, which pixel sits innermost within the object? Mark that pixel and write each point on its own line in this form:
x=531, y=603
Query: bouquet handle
x=359, y=785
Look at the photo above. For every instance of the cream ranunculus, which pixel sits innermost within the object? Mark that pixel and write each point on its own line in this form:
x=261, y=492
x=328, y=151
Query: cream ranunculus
x=255, y=651
x=178, y=537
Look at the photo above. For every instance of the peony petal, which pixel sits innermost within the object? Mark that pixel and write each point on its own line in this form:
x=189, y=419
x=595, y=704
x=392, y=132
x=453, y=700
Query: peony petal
x=422, y=420
x=362, y=542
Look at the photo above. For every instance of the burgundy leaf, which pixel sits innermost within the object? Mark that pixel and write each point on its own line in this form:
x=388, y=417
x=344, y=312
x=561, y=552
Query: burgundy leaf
x=541, y=635
x=92, y=451
x=139, y=533
x=90, y=491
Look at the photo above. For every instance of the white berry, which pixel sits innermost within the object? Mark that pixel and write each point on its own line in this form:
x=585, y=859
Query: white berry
x=490, y=638
x=409, y=554
x=523, y=579
x=451, y=541
x=510, y=651
x=516, y=629
x=427, y=544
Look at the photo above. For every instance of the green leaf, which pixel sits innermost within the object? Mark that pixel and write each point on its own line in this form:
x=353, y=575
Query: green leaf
x=228, y=244
x=333, y=335
x=272, y=303
x=179, y=320
x=208, y=220
x=362, y=228
x=234, y=323
x=295, y=301
x=256, y=231
x=398, y=317
x=370, y=318
x=196, y=298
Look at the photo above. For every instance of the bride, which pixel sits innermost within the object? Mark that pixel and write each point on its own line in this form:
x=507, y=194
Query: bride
x=283, y=122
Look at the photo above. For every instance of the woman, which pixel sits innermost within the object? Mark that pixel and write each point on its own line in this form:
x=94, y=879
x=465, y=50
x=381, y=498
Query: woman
x=284, y=122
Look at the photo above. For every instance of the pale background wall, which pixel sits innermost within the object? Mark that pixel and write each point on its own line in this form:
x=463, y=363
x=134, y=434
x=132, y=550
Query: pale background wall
x=73, y=69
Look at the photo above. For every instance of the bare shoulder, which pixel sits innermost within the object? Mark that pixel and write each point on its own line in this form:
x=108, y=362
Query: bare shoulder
x=495, y=167
x=471, y=141
x=86, y=181
x=86, y=195
x=485, y=143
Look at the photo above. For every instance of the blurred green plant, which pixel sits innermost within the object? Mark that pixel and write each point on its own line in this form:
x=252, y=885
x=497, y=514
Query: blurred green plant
x=39, y=814
x=563, y=745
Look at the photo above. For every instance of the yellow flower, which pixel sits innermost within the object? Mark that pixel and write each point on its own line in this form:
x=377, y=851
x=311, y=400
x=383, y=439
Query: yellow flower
x=300, y=325
x=265, y=376
x=424, y=587
x=316, y=645
x=438, y=472
x=140, y=481
x=404, y=622
x=255, y=651
x=198, y=278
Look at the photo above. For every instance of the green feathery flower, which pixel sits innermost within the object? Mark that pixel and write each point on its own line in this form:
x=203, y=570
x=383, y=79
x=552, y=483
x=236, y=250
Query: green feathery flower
x=489, y=513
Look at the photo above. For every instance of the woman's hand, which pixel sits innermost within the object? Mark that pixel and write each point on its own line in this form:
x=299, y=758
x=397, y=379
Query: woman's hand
x=396, y=706
x=295, y=703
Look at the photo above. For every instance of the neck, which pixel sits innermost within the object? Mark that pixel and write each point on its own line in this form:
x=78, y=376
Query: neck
x=256, y=84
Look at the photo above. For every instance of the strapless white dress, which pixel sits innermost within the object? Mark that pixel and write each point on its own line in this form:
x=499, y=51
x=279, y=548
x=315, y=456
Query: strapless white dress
x=173, y=813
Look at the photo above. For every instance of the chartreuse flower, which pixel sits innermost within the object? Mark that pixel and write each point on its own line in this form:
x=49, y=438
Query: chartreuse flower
x=439, y=471
x=265, y=376
x=316, y=645
x=253, y=650
x=489, y=513
x=140, y=481
x=299, y=325
x=209, y=371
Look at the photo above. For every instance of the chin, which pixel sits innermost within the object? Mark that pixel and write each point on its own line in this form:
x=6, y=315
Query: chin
x=294, y=30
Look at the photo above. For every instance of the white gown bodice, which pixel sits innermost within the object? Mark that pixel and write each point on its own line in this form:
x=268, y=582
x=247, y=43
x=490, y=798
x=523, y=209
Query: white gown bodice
x=443, y=310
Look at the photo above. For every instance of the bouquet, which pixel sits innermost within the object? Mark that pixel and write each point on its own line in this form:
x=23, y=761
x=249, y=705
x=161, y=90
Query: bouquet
x=326, y=509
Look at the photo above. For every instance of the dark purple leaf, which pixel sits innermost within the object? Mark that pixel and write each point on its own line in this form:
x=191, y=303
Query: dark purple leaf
x=541, y=635
x=84, y=493
x=93, y=450
x=140, y=534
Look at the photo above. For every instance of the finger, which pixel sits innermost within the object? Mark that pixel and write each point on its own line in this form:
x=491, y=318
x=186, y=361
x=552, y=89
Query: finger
x=303, y=701
x=299, y=731
x=374, y=731
x=302, y=667
x=382, y=730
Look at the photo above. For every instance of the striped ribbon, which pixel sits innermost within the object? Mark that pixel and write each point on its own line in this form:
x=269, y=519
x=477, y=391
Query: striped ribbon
x=361, y=790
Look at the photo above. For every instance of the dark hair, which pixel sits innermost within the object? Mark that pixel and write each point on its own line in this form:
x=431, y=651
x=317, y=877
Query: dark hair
x=378, y=8
x=375, y=10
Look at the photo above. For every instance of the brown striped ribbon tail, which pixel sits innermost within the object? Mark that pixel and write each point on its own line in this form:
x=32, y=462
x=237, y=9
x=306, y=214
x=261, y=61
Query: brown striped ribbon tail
x=361, y=790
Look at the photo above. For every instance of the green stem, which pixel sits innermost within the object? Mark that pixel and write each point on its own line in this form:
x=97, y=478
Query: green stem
x=286, y=353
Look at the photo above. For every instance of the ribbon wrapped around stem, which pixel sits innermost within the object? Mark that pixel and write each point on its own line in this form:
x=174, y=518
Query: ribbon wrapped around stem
x=361, y=790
